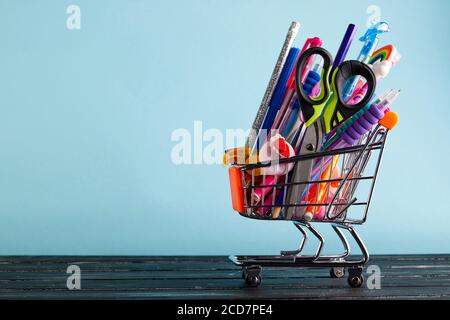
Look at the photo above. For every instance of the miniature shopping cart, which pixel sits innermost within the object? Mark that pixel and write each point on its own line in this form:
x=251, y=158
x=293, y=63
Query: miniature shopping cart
x=347, y=206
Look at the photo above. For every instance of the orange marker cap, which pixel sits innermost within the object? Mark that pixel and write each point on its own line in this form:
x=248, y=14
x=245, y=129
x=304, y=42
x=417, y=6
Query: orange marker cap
x=390, y=120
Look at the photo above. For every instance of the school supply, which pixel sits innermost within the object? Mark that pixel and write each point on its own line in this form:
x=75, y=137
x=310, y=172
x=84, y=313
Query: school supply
x=292, y=119
x=317, y=125
x=361, y=122
x=290, y=102
x=272, y=152
x=344, y=47
x=308, y=171
x=310, y=43
x=290, y=37
x=382, y=62
x=277, y=99
x=318, y=192
x=238, y=156
x=259, y=194
x=389, y=121
x=386, y=53
x=352, y=130
x=370, y=39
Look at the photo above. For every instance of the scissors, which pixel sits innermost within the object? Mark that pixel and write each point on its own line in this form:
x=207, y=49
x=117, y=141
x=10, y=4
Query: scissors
x=321, y=114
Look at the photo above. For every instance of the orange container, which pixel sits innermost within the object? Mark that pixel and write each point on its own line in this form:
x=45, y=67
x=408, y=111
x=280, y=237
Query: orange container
x=237, y=191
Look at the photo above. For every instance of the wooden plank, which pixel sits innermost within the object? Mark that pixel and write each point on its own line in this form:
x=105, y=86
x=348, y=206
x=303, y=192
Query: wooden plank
x=177, y=263
x=403, y=277
x=221, y=284
x=207, y=274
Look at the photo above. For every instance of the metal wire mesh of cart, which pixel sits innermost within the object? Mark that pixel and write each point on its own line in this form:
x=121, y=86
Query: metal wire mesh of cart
x=326, y=197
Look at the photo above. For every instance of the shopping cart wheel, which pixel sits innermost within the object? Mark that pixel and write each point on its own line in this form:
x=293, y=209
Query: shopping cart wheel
x=337, y=272
x=252, y=276
x=356, y=281
x=253, y=280
x=355, y=277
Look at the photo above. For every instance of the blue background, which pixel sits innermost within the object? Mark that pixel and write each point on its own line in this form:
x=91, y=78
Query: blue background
x=86, y=118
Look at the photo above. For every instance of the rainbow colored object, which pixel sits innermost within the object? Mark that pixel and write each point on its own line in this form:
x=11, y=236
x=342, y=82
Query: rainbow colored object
x=386, y=53
x=382, y=61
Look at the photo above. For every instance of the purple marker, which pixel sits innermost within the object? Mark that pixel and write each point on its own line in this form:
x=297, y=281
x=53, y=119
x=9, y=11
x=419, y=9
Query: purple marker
x=344, y=47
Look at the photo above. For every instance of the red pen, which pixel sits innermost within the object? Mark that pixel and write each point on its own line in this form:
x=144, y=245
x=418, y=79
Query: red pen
x=290, y=84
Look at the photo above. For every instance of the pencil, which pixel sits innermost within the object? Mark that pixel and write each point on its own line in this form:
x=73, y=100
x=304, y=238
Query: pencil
x=290, y=37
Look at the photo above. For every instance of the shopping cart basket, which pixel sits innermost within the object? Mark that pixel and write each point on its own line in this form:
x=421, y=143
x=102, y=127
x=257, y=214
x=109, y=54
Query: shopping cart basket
x=359, y=164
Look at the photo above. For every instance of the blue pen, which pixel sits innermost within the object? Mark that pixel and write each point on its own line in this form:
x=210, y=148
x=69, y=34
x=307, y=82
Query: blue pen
x=370, y=39
x=293, y=118
x=277, y=98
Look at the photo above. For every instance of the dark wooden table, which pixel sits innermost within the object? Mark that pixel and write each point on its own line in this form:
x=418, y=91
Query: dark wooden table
x=402, y=277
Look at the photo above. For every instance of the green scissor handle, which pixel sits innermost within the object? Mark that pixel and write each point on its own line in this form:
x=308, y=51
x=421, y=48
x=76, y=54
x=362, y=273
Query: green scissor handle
x=330, y=103
x=312, y=108
x=336, y=110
